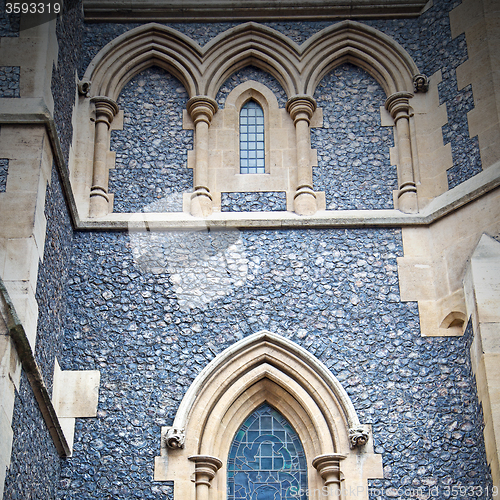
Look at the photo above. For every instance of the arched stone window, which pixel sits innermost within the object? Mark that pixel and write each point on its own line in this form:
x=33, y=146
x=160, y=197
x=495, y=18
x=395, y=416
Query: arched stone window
x=266, y=459
x=266, y=371
x=252, y=149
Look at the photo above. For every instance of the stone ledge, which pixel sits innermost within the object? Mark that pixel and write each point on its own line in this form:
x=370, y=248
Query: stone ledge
x=441, y=206
x=34, y=111
x=230, y=10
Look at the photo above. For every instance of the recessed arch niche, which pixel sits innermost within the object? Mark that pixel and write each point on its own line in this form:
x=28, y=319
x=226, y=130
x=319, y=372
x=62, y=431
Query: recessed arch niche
x=265, y=368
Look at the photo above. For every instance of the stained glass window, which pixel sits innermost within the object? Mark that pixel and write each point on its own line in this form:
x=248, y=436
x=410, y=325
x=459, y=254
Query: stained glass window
x=266, y=460
x=252, y=153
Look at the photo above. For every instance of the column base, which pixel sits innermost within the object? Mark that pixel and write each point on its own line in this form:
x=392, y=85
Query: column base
x=304, y=201
x=99, y=203
x=407, y=198
x=201, y=202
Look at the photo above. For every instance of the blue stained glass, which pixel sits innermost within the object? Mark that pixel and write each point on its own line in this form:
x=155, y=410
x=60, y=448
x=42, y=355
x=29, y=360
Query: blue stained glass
x=266, y=460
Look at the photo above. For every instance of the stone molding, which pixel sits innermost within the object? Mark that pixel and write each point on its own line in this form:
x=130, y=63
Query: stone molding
x=265, y=367
x=328, y=466
x=26, y=111
x=228, y=10
x=298, y=68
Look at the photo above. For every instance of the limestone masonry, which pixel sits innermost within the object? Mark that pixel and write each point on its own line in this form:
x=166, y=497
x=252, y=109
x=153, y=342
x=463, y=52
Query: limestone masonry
x=174, y=328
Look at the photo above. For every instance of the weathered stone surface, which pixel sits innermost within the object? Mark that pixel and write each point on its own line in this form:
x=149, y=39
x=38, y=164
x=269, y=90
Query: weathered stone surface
x=9, y=81
x=253, y=202
x=150, y=310
x=151, y=151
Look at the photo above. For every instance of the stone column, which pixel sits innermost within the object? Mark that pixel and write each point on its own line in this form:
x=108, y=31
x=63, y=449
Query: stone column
x=105, y=111
x=398, y=106
x=329, y=468
x=201, y=109
x=205, y=470
x=301, y=109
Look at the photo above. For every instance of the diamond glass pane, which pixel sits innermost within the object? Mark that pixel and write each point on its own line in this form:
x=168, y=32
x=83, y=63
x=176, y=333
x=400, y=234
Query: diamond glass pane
x=266, y=460
x=252, y=139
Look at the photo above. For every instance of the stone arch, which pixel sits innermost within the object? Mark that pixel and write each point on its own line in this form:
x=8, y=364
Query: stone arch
x=264, y=367
x=148, y=45
x=364, y=46
x=202, y=70
x=252, y=44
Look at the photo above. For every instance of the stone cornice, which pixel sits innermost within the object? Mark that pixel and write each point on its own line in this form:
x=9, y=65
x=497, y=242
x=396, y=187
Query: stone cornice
x=31, y=111
x=257, y=10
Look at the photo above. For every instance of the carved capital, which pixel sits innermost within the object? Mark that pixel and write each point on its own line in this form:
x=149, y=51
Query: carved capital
x=201, y=108
x=175, y=438
x=398, y=105
x=301, y=107
x=206, y=468
x=105, y=109
x=329, y=467
x=420, y=83
x=358, y=437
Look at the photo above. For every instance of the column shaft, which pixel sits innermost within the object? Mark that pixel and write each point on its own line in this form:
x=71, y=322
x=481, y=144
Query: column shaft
x=201, y=146
x=398, y=105
x=105, y=110
x=301, y=109
x=201, y=109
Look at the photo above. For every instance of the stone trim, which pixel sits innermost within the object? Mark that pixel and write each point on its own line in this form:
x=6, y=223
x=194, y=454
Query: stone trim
x=30, y=366
x=200, y=11
x=265, y=367
x=482, y=293
x=298, y=68
x=27, y=111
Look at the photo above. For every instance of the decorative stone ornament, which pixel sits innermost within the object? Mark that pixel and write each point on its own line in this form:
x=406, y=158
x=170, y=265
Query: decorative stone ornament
x=420, y=83
x=175, y=438
x=205, y=470
x=301, y=109
x=329, y=468
x=201, y=109
x=84, y=87
x=358, y=437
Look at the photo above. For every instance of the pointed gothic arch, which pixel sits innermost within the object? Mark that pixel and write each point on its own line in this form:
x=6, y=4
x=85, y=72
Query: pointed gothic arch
x=202, y=71
x=266, y=368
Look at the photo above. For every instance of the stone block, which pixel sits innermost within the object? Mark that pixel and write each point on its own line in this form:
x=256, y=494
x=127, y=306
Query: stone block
x=75, y=393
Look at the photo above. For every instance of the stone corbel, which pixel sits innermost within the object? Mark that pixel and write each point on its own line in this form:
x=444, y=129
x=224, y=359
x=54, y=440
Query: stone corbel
x=105, y=110
x=205, y=470
x=328, y=467
x=84, y=87
x=398, y=105
x=420, y=83
x=175, y=438
x=301, y=109
x=201, y=109
x=358, y=437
